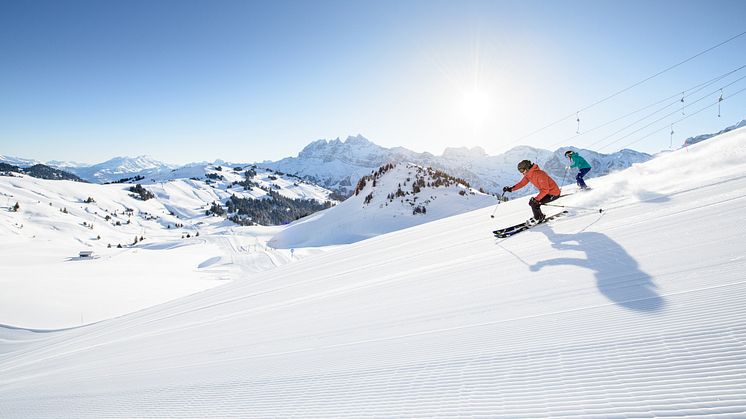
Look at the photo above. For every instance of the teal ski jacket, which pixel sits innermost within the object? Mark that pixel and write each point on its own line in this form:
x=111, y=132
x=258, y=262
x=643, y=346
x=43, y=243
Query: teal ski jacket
x=579, y=162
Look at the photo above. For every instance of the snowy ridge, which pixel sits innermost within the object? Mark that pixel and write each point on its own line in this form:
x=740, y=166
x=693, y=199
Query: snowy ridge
x=694, y=140
x=121, y=167
x=637, y=311
x=391, y=198
x=17, y=161
x=228, y=180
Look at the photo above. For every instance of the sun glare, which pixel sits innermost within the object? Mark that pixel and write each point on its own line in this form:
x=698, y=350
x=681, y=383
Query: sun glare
x=475, y=106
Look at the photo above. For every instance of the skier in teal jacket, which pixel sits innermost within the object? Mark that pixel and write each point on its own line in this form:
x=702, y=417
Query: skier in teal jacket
x=581, y=164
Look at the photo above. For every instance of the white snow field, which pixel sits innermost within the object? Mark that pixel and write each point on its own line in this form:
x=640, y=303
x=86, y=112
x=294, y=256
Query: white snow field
x=635, y=312
x=46, y=285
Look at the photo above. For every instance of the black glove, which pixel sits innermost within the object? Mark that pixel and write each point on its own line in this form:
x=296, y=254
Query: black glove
x=507, y=189
x=533, y=202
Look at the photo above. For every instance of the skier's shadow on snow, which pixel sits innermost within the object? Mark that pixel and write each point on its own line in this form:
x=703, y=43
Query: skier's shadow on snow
x=618, y=275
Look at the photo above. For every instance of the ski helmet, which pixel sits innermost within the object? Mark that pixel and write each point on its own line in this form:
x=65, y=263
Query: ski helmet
x=568, y=153
x=524, y=165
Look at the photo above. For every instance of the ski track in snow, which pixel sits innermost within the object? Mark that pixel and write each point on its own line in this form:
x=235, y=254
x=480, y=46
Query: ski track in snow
x=639, y=311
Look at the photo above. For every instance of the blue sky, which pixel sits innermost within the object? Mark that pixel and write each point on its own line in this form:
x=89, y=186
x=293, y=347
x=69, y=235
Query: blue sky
x=249, y=81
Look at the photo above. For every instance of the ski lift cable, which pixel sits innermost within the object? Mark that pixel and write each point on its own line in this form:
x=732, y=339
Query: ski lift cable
x=626, y=88
x=650, y=115
x=693, y=90
x=636, y=122
x=663, y=71
x=657, y=120
x=662, y=118
x=681, y=119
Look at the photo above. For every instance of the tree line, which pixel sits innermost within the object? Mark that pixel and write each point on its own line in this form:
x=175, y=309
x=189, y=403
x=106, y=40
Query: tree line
x=272, y=210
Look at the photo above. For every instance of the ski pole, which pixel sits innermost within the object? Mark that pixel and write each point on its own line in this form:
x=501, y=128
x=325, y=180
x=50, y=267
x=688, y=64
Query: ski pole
x=562, y=185
x=567, y=170
x=499, y=200
x=568, y=206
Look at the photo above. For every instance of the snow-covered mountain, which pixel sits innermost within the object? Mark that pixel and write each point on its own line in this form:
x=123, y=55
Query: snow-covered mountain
x=336, y=164
x=38, y=170
x=179, y=199
x=115, y=169
x=598, y=314
x=18, y=161
x=694, y=140
x=392, y=198
x=136, y=242
x=112, y=170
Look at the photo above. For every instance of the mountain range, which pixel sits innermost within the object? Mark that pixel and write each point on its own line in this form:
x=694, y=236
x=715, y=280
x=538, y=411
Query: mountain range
x=337, y=165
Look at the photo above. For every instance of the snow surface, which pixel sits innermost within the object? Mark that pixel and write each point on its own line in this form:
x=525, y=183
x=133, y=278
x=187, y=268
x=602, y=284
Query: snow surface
x=46, y=285
x=636, y=311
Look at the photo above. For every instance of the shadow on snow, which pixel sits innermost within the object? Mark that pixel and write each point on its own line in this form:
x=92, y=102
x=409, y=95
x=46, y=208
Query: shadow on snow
x=618, y=275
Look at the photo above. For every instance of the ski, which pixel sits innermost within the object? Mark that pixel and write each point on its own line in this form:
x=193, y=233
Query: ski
x=509, y=231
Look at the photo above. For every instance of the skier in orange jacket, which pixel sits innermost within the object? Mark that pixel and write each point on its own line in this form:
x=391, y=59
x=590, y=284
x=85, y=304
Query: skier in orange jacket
x=548, y=189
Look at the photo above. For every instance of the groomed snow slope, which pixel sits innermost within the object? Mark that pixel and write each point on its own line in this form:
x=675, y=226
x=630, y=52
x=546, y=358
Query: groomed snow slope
x=639, y=311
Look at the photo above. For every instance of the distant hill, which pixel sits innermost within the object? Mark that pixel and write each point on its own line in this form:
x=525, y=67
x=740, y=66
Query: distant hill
x=42, y=171
x=17, y=161
x=118, y=168
x=5, y=167
x=391, y=198
x=694, y=140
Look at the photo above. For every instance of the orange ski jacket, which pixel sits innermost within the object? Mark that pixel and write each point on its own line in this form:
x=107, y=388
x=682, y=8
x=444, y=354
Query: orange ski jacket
x=541, y=180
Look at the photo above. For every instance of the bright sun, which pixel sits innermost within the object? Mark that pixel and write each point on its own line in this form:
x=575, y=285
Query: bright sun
x=475, y=106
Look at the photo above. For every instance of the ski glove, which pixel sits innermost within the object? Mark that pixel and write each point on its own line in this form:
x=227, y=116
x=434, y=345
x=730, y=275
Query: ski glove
x=507, y=189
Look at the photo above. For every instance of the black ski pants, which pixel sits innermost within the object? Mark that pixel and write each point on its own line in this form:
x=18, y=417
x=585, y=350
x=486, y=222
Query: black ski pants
x=538, y=215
